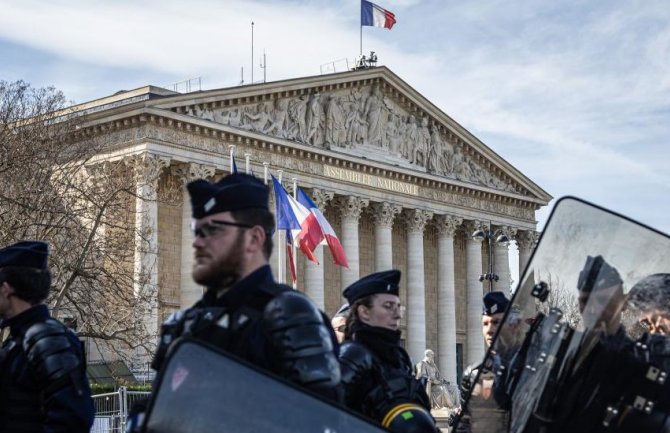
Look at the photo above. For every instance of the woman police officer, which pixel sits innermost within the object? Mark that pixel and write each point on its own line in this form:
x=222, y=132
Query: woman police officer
x=377, y=372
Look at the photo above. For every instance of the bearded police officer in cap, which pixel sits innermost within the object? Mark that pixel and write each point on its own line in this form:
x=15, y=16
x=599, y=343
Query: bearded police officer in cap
x=377, y=373
x=43, y=385
x=243, y=310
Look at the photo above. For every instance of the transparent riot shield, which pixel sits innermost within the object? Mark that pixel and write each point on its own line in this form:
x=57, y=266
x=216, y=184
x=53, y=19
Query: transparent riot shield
x=204, y=390
x=583, y=345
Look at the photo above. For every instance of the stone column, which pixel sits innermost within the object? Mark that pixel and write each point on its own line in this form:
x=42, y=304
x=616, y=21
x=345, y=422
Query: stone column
x=383, y=214
x=475, y=293
x=446, y=296
x=526, y=240
x=351, y=208
x=147, y=168
x=314, y=279
x=190, y=292
x=416, y=284
x=501, y=264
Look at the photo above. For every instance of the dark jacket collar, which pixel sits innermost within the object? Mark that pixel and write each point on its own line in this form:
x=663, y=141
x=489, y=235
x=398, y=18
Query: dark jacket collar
x=244, y=292
x=19, y=323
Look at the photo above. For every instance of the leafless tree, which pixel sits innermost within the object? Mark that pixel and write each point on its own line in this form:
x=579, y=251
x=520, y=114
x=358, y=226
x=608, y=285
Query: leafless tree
x=56, y=187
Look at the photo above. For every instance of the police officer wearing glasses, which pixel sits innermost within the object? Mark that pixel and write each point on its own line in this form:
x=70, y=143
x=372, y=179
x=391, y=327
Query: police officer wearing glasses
x=377, y=373
x=43, y=385
x=243, y=310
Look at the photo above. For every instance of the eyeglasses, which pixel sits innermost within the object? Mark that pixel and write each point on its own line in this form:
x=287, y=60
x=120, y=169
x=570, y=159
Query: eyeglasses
x=212, y=227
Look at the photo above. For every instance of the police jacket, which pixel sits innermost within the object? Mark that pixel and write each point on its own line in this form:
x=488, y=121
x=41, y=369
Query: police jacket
x=43, y=385
x=267, y=324
x=377, y=373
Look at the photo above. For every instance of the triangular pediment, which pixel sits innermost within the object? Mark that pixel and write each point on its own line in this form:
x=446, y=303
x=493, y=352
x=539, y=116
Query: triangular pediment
x=370, y=113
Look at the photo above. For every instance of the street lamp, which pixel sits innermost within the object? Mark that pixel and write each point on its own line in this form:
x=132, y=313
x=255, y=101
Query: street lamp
x=492, y=237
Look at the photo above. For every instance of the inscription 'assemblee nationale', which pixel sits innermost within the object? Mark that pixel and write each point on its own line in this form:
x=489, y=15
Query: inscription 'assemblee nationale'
x=369, y=180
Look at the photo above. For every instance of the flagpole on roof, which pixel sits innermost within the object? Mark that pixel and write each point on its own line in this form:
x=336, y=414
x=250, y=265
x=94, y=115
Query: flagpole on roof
x=232, y=155
x=295, y=251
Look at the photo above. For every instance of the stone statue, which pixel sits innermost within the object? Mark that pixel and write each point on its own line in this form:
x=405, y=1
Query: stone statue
x=334, y=122
x=443, y=395
x=422, y=141
x=313, y=119
x=373, y=115
x=279, y=126
x=296, y=113
x=259, y=121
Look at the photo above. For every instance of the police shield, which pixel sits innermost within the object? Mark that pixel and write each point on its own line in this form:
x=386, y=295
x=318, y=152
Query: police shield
x=583, y=345
x=202, y=389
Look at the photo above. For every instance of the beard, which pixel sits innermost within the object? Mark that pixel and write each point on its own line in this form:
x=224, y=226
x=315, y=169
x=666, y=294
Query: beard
x=224, y=271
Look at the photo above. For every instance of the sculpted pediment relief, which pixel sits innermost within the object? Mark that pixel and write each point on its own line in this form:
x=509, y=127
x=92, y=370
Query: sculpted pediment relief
x=361, y=121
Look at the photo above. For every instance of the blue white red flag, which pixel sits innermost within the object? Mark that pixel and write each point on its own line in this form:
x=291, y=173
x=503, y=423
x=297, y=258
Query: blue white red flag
x=376, y=16
x=286, y=219
x=327, y=234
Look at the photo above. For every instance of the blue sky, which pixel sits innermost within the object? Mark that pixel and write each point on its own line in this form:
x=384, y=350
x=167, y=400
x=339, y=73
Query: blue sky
x=575, y=94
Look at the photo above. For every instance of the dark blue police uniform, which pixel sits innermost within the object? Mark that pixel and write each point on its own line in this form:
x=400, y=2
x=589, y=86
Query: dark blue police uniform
x=43, y=384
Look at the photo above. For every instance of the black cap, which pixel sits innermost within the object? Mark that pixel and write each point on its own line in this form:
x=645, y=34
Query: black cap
x=494, y=302
x=651, y=293
x=28, y=254
x=234, y=192
x=379, y=282
x=597, y=274
x=343, y=311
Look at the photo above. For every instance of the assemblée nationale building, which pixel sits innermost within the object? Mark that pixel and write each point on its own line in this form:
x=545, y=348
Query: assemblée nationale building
x=403, y=185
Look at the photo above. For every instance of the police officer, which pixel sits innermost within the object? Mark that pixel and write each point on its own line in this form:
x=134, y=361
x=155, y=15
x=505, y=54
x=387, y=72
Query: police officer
x=43, y=385
x=483, y=409
x=243, y=310
x=377, y=373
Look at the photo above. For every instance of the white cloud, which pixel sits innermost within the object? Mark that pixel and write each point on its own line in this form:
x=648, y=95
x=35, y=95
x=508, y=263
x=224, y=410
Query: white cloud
x=576, y=95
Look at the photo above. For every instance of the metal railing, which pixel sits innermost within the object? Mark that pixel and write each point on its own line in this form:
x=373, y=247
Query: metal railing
x=111, y=409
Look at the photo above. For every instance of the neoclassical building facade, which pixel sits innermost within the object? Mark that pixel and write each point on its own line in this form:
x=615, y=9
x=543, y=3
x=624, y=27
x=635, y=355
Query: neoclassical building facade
x=403, y=185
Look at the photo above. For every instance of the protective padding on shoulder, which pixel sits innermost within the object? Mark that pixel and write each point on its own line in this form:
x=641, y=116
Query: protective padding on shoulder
x=355, y=361
x=409, y=418
x=50, y=352
x=301, y=340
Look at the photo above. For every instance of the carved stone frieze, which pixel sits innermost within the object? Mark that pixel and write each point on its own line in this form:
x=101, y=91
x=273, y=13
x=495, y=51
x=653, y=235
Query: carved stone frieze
x=362, y=119
x=476, y=203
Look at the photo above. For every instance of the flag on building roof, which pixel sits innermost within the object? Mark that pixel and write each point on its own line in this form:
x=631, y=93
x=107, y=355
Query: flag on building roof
x=376, y=16
x=339, y=256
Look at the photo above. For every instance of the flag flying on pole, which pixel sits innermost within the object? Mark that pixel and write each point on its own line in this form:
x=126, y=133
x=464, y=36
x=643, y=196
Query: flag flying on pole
x=286, y=219
x=376, y=16
x=339, y=256
x=309, y=229
x=291, y=261
x=291, y=217
x=234, y=165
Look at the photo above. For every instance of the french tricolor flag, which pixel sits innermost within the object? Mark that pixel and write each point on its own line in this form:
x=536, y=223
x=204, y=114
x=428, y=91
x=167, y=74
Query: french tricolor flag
x=311, y=239
x=373, y=15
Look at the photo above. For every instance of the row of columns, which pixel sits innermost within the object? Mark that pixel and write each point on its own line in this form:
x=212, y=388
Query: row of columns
x=385, y=214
